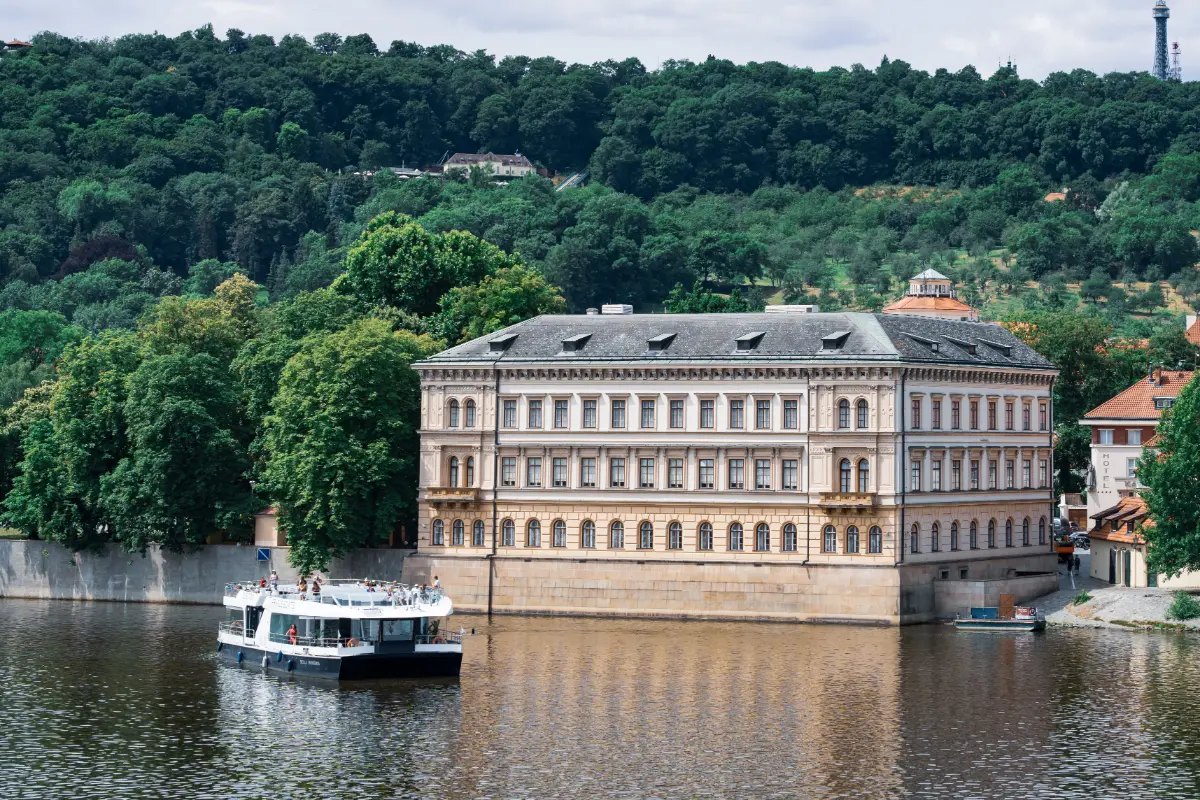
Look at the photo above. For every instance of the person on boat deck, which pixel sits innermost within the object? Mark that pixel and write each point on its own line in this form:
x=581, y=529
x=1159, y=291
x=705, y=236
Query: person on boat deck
x=437, y=584
x=262, y=581
x=302, y=587
x=316, y=588
x=291, y=634
x=274, y=581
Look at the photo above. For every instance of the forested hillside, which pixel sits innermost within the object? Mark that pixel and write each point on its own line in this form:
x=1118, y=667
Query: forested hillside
x=201, y=248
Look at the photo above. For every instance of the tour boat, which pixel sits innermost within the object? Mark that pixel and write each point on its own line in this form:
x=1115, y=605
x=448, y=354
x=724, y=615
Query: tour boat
x=349, y=630
x=990, y=619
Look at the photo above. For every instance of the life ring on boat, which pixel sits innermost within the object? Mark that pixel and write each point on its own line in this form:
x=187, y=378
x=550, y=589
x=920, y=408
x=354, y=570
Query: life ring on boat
x=352, y=643
x=439, y=640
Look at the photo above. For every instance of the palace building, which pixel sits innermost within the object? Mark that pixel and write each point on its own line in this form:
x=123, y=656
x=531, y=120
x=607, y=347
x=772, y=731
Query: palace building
x=798, y=466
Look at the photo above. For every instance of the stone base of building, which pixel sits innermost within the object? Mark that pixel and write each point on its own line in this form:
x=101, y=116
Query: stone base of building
x=786, y=592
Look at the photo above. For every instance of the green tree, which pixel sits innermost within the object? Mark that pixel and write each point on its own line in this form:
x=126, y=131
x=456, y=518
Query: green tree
x=341, y=441
x=703, y=301
x=510, y=296
x=1172, y=491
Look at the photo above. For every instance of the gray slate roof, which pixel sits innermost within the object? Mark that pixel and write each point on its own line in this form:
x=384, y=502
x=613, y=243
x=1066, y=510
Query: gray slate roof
x=795, y=338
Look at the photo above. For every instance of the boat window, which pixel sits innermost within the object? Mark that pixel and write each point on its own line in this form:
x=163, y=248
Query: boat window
x=366, y=630
x=235, y=615
x=280, y=624
x=397, y=630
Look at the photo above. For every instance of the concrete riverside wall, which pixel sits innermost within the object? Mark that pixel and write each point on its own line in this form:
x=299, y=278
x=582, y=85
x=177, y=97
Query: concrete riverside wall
x=920, y=583
x=33, y=569
x=705, y=590
x=955, y=597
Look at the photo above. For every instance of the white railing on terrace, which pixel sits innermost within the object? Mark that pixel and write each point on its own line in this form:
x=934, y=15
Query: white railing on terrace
x=448, y=637
x=401, y=594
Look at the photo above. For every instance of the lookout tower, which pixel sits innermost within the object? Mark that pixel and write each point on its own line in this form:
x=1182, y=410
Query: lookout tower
x=1162, y=69
x=931, y=294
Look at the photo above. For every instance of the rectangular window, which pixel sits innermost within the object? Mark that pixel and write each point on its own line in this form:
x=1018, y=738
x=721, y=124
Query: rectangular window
x=737, y=410
x=789, y=538
x=1042, y=416
x=762, y=473
x=646, y=473
x=991, y=474
x=1026, y=474
x=935, y=415
x=707, y=414
x=956, y=414
x=706, y=474
x=737, y=473
x=974, y=409
x=1042, y=469
x=914, y=484
x=956, y=475
x=1133, y=436
x=935, y=476
x=587, y=473
x=1008, y=475
x=1131, y=467
x=616, y=473
x=535, y=413
x=974, y=474
x=762, y=415
x=560, y=473
x=675, y=536
x=647, y=414
x=618, y=413
x=791, y=475
x=1008, y=415
x=676, y=413
x=1106, y=437
x=589, y=413
x=791, y=414
x=510, y=413
x=508, y=471
x=533, y=472
x=991, y=415
x=915, y=416
x=675, y=473
x=560, y=414
x=1026, y=417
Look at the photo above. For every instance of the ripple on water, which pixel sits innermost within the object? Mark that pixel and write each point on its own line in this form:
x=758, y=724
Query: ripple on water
x=108, y=700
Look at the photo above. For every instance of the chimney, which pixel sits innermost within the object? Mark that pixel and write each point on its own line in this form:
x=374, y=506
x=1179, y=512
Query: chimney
x=1158, y=376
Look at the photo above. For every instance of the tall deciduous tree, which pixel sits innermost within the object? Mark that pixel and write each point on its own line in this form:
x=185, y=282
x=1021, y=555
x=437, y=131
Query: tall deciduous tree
x=341, y=440
x=510, y=296
x=1173, y=487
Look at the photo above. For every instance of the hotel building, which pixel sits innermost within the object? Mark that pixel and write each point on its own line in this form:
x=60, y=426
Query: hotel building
x=802, y=466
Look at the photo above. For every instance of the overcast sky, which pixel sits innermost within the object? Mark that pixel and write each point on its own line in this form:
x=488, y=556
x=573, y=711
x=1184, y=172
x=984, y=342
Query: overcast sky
x=1042, y=37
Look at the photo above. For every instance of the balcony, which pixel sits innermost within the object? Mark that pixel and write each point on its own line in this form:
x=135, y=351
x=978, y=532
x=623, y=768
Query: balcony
x=450, y=495
x=848, y=500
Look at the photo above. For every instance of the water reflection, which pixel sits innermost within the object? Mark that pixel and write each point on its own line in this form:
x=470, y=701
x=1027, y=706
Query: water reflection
x=129, y=701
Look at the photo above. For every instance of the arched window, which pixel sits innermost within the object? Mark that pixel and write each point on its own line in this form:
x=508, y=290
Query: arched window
x=477, y=533
x=914, y=538
x=675, y=536
x=510, y=533
x=852, y=539
x=453, y=471
x=469, y=413
x=646, y=535
x=953, y=535
x=844, y=470
x=460, y=528
x=843, y=413
x=705, y=536
x=735, y=536
x=862, y=414
x=1008, y=533
x=1042, y=530
x=588, y=536
x=935, y=537
x=864, y=476
x=789, y=538
x=762, y=537
x=875, y=540
x=439, y=532
x=470, y=471
x=616, y=535
x=1025, y=532
x=453, y=413
x=829, y=539
x=974, y=535
x=991, y=533
x=533, y=534
x=560, y=533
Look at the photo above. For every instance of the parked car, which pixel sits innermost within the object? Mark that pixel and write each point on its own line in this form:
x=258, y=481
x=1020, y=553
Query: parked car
x=1081, y=540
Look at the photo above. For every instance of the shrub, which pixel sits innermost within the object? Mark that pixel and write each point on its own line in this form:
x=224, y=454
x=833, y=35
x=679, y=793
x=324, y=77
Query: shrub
x=1081, y=598
x=1184, y=606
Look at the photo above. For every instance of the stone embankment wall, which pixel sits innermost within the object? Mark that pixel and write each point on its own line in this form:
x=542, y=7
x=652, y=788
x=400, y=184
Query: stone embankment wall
x=956, y=597
x=33, y=569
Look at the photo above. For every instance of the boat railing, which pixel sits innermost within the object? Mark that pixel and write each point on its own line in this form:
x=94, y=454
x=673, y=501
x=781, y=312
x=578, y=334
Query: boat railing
x=447, y=637
x=235, y=629
x=318, y=641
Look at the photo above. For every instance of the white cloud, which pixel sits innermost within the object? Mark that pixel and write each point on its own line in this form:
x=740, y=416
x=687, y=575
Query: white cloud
x=1102, y=35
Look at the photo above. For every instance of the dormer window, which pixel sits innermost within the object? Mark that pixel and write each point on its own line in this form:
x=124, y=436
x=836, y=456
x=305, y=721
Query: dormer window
x=749, y=341
x=502, y=343
x=1002, y=349
x=1162, y=403
x=573, y=344
x=961, y=343
x=932, y=344
x=660, y=342
x=835, y=341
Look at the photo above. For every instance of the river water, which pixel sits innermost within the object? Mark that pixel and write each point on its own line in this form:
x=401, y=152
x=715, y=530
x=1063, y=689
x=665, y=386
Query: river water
x=107, y=700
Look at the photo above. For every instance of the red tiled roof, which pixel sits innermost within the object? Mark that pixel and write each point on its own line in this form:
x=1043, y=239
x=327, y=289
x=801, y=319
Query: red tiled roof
x=1113, y=523
x=1192, y=334
x=1137, y=402
x=915, y=303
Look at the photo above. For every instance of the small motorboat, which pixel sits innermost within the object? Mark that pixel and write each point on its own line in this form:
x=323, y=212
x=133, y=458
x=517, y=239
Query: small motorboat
x=991, y=618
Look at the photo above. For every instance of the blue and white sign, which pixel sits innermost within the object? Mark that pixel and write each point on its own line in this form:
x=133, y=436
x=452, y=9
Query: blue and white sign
x=264, y=554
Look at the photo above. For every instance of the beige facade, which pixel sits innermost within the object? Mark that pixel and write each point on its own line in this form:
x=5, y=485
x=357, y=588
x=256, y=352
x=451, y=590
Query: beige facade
x=808, y=491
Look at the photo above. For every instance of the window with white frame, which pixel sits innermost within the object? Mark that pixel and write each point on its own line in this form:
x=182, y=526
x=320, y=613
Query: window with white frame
x=1106, y=436
x=646, y=473
x=587, y=473
x=508, y=471
x=735, y=536
x=737, y=473
x=618, y=413
x=829, y=539
x=706, y=474
x=704, y=536
x=955, y=474
x=875, y=540
x=845, y=476
x=560, y=534
x=852, y=539
x=935, y=414
x=509, y=529
x=477, y=533
x=864, y=476
x=535, y=413
x=453, y=413
x=616, y=535
x=707, y=414
x=533, y=472
x=439, y=533
x=762, y=537
x=973, y=535
x=675, y=536
x=956, y=414
x=864, y=411
x=953, y=535
x=843, y=414
x=1026, y=474
x=762, y=415
x=560, y=473
x=646, y=535
x=737, y=411
x=469, y=413
x=1043, y=468
x=974, y=473
x=1009, y=477
x=1043, y=416
x=914, y=482
x=677, y=414
x=533, y=534
x=1131, y=467
x=914, y=538
x=935, y=476
x=992, y=474
x=561, y=414
x=459, y=531
x=675, y=473
x=589, y=413
x=510, y=414
x=616, y=473
x=791, y=475
x=762, y=473
x=587, y=533
x=935, y=537
x=791, y=414
x=647, y=414
x=1026, y=417
x=790, y=544
x=1133, y=436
